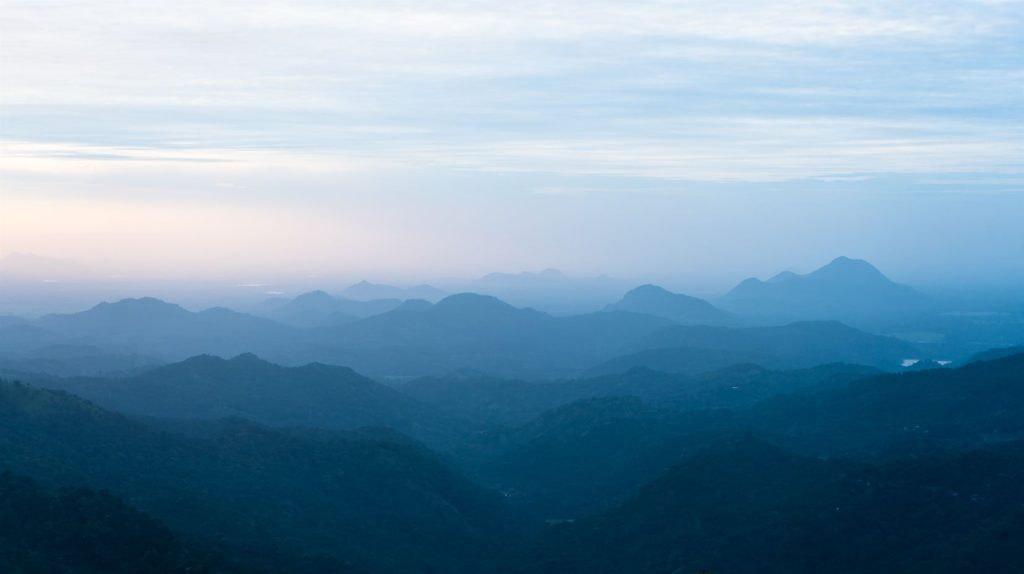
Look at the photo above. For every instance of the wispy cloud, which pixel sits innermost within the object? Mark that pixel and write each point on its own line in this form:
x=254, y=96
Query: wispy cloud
x=397, y=107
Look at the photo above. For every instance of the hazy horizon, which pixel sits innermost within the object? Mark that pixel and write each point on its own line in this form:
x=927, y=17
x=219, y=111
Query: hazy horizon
x=682, y=142
x=576, y=287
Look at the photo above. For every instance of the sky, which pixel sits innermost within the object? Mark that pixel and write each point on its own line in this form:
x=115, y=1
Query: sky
x=694, y=142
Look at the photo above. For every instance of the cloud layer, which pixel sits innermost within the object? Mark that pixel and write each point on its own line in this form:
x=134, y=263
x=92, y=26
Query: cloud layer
x=376, y=106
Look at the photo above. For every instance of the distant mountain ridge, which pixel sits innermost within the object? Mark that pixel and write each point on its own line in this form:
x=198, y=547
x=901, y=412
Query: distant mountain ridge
x=462, y=331
x=682, y=309
x=849, y=290
x=469, y=330
x=366, y=291
x=319, y=308
x=696, y=349
x=208, y=387
x=151, y=327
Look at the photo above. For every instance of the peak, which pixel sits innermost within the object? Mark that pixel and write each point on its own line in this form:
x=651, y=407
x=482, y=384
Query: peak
x=472, y=301
x=414, y=305
x=247, y=359
x=315, y=295
x=142, y=304
x=468, y=297
x=206, y=362
x=847, y=268
x=750, y=282
x=649, y=289
x=844, y=261
x=783, y=276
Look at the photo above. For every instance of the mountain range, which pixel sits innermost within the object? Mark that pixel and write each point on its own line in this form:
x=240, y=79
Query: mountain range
x=416, y=338
x=208, y=387
x=849, y=290
x=150, y=327
x=319, y=309
x=284, y=500
x=619, y=441
x=727, y=471
x=366, y=291
x=743, y=506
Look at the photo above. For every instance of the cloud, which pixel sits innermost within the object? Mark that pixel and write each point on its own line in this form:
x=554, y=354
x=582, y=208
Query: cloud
x=408, y=120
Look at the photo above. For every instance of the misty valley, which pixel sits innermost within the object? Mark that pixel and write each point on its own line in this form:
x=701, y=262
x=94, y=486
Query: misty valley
x=834, y=421
x=534, y=287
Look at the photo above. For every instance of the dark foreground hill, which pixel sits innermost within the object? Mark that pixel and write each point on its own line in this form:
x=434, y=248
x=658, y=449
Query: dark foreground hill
x=974, y=405
x=748, y=508
x=291, y=501
x=921, y=474
x=84, y=531
x=619, y=442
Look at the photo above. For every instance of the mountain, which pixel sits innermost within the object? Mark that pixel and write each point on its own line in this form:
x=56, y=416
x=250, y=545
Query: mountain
x=971, y=406
x=745, y=507
x=89, y=532
x=495, y=402
x=682, y=309
x=618, y=441
x=281, y=500
x=366, y=291
x=472, y=331
x=849, y=290
x=154, y=328
x=414, y=305
x=415, y=338
x=695, y=349
x=314, y=395
x=318, y=308
x=549, y=290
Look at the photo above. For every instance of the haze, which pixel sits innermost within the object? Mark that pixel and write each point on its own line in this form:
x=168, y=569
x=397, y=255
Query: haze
x=689, y=142
x=450, y=287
